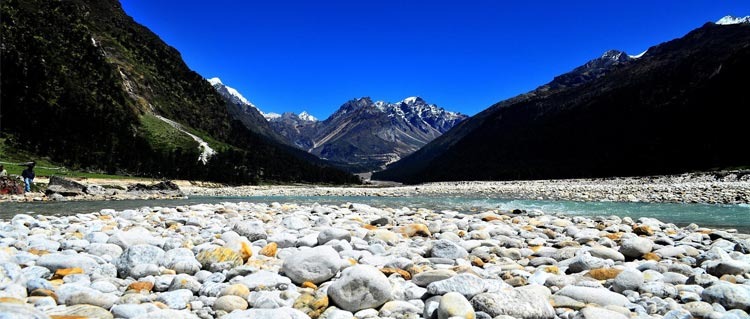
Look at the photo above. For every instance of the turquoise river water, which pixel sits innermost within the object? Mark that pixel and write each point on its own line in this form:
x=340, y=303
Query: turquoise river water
x=714, y=216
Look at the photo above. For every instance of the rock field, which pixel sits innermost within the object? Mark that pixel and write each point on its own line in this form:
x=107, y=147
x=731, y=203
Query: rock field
x=243, y=260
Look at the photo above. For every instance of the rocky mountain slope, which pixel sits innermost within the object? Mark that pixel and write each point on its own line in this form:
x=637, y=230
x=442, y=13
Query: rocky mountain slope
x=247, y=113
x=363, y=135
x=297, y=129
x=370, y=134
x=678, y=107
x=85, y=85
x=360, y=136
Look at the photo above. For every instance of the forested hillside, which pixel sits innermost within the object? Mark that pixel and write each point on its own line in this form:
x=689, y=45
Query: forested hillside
x=86, y=86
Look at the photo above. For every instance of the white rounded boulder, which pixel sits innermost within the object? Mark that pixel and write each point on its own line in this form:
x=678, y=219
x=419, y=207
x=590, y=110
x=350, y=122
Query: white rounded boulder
x=360, y=287
x=312, y=264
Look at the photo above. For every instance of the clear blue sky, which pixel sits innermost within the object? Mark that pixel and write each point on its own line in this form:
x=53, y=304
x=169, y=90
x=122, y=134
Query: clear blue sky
x=462, y=55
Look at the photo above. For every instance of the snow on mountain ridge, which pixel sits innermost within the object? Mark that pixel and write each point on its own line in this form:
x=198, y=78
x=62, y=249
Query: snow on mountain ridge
x=728, y=20
x=638, y=56
x=216, y=83
x=410, y=100
x=307, y=117
x=414, y=106
x=408, y=108
x=614, y=56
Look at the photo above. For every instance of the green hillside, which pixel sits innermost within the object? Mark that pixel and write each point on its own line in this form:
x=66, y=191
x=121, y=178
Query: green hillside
x=82, y=85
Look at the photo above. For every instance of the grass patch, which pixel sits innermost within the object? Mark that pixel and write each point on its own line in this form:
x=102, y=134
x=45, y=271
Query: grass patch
x=10, y=158
x=163, y=137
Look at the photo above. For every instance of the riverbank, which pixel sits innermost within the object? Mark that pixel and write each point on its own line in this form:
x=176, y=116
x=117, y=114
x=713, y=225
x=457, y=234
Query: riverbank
x=98, y=189
x=244, y=260
x=731, y=187
x=710, y=188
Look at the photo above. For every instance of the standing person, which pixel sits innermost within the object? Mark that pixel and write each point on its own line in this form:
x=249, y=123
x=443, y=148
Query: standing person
x=28, y=176
x=3, y=172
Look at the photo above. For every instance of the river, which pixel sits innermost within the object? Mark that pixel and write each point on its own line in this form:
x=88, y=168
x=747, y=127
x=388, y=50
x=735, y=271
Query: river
x=714, y=216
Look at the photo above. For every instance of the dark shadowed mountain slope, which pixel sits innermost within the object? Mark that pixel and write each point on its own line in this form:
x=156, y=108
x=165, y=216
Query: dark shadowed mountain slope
x=85, y=85
x=681, y=106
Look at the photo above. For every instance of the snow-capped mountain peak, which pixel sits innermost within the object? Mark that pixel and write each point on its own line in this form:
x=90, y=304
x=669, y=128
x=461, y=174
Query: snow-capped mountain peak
x=271, y=116
x=236, y=98
x=727, y=20
x=234, y=95
x=307, y=117
x=410, y=100
x=614, y=55
x=381, y=105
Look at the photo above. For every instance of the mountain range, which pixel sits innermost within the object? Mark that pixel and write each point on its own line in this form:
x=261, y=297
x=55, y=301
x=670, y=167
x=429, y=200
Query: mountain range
x=680, y=106
x=360, y=136
x=86, y=86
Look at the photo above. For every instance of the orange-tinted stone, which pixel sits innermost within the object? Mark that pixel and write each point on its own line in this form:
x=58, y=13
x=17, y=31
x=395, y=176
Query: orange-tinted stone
x=729, y=278
x=613, y=236
x=651, y=256
x=476, y=261
x=38, y=252
x=270, y=250
x=62, y=272
x=11, y=300
x=308, y=284
x=389, y=271
x=604, y=273
x=246, y=251
x=551, y=269
x=517, y=281
x=320, y=303
x=491, y=217
x=43, y=293
x=415, y=269
x=141, y=285
x=412, y=230
x=219, y=255
x=56, y=282
x=168, y=272
x=643, y=230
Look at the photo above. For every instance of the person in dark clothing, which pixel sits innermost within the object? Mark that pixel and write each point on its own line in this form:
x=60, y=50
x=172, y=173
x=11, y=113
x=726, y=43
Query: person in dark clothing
x=28, y=176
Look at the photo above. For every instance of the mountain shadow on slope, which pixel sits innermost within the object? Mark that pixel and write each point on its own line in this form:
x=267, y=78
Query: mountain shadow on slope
x=680, y=107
